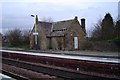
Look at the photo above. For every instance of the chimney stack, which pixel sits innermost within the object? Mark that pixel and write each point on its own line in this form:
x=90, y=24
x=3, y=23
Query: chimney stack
x=83, y=24
x=76, y=18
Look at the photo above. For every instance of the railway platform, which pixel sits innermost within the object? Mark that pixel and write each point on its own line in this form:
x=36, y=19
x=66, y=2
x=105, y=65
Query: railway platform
x=5, y=77
x=77, y=52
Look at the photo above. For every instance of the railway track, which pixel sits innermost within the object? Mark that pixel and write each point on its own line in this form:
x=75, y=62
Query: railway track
x=14, y=76
x=59, y=72
x=92, y=64
x=60, y=64
x=30, y=75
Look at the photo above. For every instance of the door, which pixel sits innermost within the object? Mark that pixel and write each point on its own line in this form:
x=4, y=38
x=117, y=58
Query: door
x=76, y=42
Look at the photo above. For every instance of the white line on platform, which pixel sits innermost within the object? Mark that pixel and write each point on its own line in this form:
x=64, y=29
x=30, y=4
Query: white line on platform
x=3, y=76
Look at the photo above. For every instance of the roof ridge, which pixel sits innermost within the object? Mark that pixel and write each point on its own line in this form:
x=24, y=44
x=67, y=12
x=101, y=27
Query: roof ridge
x=45, y=22
x=57, y=21
x=65, y=20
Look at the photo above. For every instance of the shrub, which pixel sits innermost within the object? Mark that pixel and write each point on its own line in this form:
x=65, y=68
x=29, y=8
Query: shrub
x=87, y=45
x=15, y=37
x=18, y=38
x=117, y=41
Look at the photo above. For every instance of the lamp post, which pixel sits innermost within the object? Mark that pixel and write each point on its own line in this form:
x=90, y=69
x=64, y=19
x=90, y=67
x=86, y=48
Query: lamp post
x=35, y=33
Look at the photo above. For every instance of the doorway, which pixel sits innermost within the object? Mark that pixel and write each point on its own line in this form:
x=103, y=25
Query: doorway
x=76, y=42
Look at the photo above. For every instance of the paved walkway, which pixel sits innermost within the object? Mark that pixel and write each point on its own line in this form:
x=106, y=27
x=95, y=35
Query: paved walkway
x=93, y=53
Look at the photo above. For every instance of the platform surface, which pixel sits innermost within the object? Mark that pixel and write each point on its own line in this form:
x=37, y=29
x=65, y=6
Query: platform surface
x=75, y=57
x=5, y=77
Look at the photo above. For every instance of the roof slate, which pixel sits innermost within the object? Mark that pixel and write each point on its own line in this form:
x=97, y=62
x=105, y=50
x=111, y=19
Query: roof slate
x=56, y=28
x=62, y=24
x=59, y=28
x=46, y=25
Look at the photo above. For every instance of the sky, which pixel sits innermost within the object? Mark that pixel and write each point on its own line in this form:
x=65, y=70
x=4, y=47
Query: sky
x=119, y=10
x=16, y=13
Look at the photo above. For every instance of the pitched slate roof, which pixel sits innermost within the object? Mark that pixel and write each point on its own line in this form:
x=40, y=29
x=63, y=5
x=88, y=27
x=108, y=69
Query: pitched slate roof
x=60, y=27
x=46, y=25
x=62, y=24
x=56, y=28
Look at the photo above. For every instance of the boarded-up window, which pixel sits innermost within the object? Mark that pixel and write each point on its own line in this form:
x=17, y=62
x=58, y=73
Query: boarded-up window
x=76, y=42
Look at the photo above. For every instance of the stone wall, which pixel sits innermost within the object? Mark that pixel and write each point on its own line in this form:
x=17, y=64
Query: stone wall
x=74, y=31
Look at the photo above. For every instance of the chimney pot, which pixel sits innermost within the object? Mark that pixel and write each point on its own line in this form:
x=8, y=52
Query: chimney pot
x=76, y=18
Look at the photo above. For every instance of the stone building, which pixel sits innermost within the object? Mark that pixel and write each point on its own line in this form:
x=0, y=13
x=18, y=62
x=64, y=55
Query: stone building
x=61, y=35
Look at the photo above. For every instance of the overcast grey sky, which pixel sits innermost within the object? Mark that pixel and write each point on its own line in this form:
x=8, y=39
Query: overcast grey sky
x=16, y=14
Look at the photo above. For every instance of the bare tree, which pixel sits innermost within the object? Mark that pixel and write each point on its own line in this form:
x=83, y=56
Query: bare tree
x=117, y=29
x=97, y=32
x=104, y=29
x=17, y=37
x=14, y=37
x=26, y=37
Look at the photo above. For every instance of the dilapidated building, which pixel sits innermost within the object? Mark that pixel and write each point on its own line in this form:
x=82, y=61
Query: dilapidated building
x=61, y=35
